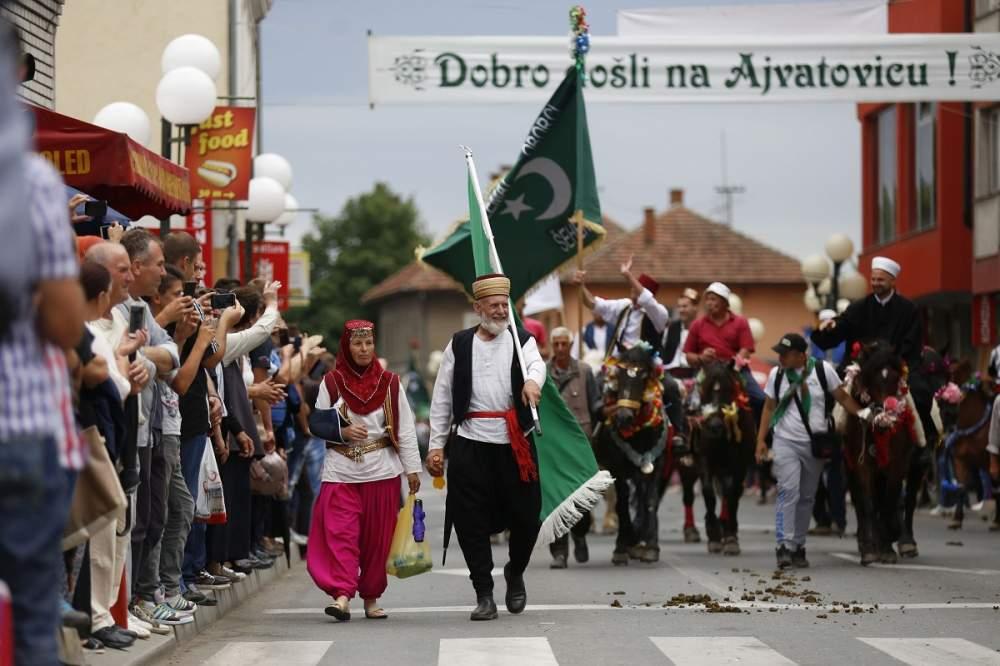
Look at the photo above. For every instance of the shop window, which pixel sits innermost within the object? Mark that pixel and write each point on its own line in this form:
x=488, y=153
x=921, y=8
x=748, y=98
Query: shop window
x=887, y=175
x=924, y=148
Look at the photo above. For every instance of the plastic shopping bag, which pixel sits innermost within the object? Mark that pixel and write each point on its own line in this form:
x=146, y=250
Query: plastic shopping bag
x=210, y=505
x=407, y=556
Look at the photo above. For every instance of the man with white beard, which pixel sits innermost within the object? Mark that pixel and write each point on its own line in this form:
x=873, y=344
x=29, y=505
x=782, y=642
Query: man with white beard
x=481, y=408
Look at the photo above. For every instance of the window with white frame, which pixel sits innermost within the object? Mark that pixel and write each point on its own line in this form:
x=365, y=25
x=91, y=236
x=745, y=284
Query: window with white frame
x=925, y=154
x=887, y=175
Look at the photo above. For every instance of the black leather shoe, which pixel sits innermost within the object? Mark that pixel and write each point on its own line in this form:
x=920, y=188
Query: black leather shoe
x=580, y=551
x=113, y=638
x=517, y=596
x=486, y=609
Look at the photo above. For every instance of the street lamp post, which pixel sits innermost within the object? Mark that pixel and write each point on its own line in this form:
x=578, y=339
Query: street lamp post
x=825, y=286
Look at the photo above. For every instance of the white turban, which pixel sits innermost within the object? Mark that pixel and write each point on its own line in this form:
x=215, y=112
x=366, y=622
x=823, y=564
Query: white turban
x=885, y=264
x=719, y=290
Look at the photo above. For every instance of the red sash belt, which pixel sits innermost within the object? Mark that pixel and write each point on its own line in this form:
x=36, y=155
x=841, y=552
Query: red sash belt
x=518, y=442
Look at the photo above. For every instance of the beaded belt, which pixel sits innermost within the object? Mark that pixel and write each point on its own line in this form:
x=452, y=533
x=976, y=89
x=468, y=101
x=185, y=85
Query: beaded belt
x=356, y=452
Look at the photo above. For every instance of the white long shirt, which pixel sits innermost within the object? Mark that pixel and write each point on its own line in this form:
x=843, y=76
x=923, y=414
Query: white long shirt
x=491, y=389
x=380, y=464
x=646, y=305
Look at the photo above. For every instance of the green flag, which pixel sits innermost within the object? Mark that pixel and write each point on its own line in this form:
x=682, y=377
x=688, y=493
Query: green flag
x=530, y=208
x=568, y=475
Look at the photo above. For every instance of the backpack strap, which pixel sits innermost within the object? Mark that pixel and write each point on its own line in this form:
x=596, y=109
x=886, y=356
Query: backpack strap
x=821, y=376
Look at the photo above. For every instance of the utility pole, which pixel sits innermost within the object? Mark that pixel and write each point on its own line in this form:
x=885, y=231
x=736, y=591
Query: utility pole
x=728, y=191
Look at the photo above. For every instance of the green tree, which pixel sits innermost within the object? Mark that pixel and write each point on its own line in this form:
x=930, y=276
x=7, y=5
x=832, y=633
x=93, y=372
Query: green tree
x=374, y=236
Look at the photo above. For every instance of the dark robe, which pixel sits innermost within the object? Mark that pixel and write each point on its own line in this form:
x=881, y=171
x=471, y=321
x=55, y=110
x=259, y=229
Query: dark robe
x=866, y=320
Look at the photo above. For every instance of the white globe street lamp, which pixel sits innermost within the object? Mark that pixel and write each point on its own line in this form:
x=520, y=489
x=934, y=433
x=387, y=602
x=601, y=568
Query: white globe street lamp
x=186, y=96
x=756, y=329
x=843, y=304
x=735, y=304
x=815, y=268
x=811, y=301
x=272, y=165
x=266, y=200
x=127, y=118
x=853, y=286
x=290, y=213
x=192, y=51
x=839, y=248
x=824, y=287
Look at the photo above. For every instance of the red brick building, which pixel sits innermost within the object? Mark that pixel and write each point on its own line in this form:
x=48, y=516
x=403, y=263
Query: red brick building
x=918, y=189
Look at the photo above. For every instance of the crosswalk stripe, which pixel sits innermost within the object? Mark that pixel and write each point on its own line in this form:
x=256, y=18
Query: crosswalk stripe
x=934, y=651
x=713, y=650
x=496, y=652
x=286, y=653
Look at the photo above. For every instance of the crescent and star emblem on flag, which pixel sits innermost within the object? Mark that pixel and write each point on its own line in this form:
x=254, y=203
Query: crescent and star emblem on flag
x=555, y=176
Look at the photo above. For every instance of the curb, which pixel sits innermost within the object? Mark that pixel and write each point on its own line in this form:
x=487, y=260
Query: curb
x=158, y=647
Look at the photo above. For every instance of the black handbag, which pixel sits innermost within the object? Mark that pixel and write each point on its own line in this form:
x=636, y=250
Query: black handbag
x=825, y=445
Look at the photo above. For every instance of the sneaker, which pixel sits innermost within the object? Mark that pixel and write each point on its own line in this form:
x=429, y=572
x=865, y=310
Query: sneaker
x=299, y=539
x=146, y=620
x=227, y=574
x=799, y=560
x=196, y=597
x=138, y=627
x=164, y=614
x=784, y=557
x=181, y=606
x=209, y=582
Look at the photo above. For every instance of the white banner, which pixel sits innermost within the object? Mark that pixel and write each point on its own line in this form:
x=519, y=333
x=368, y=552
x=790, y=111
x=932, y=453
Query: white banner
x=885, y=68
x=844, y=17
x=546, y=295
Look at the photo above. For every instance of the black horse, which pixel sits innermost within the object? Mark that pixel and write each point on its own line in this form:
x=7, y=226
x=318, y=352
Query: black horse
x=877, y=455
x=723, y=440
x=631, y=443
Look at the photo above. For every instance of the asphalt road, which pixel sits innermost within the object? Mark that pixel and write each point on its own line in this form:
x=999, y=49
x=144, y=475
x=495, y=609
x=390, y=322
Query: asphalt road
x=941, y=608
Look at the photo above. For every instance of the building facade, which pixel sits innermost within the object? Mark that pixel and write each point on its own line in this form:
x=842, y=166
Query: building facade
x=36, y=22
x=986, y=207
x=917, y=173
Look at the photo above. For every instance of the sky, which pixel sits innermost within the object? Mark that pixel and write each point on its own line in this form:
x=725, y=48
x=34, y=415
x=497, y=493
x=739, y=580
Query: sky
x=800, y=163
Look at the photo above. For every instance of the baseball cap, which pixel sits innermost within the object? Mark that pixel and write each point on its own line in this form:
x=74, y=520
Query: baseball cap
x=791, y=342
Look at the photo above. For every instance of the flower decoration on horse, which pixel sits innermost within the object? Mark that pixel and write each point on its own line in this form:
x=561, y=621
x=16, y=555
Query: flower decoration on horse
x=648, y=409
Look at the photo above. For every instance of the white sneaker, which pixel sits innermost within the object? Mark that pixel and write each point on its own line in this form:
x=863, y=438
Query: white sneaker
x=138, y=627
x=977, y=507
x=181, y=605
x=299, y=539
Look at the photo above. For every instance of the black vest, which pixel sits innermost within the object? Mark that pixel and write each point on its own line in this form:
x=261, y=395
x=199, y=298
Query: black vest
x=672, y=340
x=647, y=333
x=461, y=386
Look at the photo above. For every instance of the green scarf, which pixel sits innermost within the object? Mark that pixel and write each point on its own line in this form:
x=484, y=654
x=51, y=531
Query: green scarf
x=795, y=383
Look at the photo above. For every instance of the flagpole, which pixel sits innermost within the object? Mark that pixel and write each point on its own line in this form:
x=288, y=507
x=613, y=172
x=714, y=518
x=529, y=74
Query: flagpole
x=497, y=267
x=578, y=218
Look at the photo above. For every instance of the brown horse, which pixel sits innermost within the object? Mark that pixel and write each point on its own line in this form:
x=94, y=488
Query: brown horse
x=722, y=439
x=877, y=454
x=966, y=424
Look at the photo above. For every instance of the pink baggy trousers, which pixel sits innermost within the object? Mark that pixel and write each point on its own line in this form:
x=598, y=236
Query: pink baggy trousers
x=350, y=537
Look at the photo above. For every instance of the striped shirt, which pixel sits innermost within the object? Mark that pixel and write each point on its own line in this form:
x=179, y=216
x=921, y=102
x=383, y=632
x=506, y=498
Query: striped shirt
x=28, y=403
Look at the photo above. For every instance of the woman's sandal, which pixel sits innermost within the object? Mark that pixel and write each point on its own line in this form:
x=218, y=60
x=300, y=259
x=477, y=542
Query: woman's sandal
x=341, y=612
x=376, y=614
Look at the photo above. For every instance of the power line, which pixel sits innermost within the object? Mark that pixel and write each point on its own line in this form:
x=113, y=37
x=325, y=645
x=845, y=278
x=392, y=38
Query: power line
x=728, y=191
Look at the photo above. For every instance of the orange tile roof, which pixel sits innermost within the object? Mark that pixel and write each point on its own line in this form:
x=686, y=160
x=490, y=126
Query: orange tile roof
x=416, y=276
x=688, y=248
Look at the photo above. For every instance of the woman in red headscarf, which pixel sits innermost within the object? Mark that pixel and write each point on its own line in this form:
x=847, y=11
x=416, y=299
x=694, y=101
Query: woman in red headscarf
x=370, y=443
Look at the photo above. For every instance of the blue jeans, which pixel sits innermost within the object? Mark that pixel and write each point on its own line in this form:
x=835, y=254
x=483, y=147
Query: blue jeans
x=195, y=558
x=754, y=392
x=34, y=505
x=307, y=456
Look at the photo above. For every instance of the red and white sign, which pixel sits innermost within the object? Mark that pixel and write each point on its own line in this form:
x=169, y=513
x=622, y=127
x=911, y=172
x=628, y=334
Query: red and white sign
x=198, y=223
x=984, y=320
x=270, y=262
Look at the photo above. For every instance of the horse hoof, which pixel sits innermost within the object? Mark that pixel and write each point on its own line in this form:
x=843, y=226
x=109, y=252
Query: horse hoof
x=888, y=557
x=868, y=558
x=691, y=535
x=619, y=559
x=650, y=555
x=731, y=546
x=955, y=525
x=714, y=547
x=635, y=552
x=908, y=550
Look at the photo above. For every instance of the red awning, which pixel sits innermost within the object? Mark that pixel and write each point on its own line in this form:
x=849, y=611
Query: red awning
x=109, y=165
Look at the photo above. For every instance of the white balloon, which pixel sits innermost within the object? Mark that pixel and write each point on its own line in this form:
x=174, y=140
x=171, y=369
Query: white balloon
x=127, y=118
x=756, y=329
x=735, y=304
x=192, y=51
x=266, y=201
x=290, y=214
x=186, y=96
x=272, y=165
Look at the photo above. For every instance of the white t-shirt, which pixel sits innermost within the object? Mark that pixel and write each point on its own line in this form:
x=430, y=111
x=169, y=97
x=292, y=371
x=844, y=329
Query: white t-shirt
x=380, y=464
x=104, y=331
x=790, y=426
x=170, y=424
